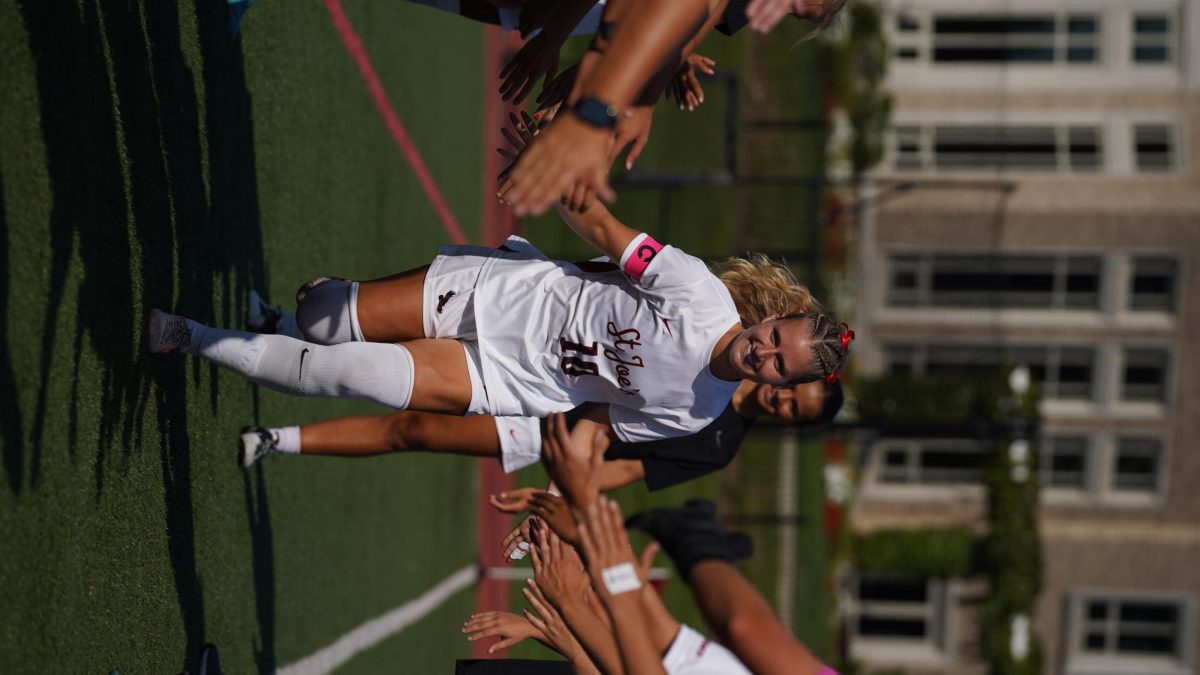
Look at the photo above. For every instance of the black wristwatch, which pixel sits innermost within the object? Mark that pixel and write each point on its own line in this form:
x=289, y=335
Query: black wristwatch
x=596, y=113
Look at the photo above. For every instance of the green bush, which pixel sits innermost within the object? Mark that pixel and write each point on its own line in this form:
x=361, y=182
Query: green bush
x=939, y=553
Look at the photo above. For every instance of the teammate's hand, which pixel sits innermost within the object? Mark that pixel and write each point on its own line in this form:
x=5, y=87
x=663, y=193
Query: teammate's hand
x=507, y=626
x=633, y=131
x=685, y=88
x=546, y=619
x=553, y=510
x=534, y=14
x=573, y=459
x=514, y=501
x=567, y=151
x=605, y=544
x=559, y=570
x=555, y=93
x=516, y=545
x=538, y=58
x=524, y=129
x=763, y=15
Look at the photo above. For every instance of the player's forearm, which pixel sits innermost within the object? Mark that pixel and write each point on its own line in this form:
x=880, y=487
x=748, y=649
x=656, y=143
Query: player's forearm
x=638, y=654
x=648, y=34
x=658, y=84
x=599, y=228
x=745, y=623
x=618, y=473
x=593, y=636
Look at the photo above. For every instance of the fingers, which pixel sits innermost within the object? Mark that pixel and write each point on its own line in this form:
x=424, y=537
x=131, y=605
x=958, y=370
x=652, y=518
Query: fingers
x=635, y=151
x=534, y=619
x=646, y=559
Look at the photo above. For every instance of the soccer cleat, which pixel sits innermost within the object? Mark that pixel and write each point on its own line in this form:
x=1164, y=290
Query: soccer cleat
x=255, y=443
x=166, y=332
x=261, y=317
x=210, y=661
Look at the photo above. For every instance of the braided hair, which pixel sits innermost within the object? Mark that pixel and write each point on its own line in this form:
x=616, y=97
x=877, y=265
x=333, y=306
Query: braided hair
x=830, y=346
x=762, y=288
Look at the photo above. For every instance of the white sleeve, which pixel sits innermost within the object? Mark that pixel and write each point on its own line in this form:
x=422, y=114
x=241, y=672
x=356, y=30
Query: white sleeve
x=520, y=441
x=652, y=266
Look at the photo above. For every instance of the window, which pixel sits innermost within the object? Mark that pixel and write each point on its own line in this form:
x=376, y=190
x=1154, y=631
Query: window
x=1152, y=284
x=1063, y=372
x=1016, y=38
x=1136, y=464
x=1130, y=633
x=1144, y=376
x=995, y=282
x=1154, y=147
x=949, y=462
x=1064, y=462
x=1153, y=39
x=1064, y=148
x=905, y=609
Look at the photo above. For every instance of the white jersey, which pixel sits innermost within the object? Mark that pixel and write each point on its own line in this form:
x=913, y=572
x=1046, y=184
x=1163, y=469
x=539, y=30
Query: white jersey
x=693, y=654
x=552, y=336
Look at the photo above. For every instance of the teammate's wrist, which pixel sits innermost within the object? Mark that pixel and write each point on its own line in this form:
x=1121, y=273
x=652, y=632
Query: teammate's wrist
x=595, y=113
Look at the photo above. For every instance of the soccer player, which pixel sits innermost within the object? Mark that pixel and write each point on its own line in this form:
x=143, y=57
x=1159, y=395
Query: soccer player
x=517, y=441
x=660, y=338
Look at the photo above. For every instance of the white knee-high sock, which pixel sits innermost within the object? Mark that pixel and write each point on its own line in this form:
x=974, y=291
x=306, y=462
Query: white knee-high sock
x=369, y=371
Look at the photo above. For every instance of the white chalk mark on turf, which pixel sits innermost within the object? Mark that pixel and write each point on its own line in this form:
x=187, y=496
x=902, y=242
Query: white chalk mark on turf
x=376, y=630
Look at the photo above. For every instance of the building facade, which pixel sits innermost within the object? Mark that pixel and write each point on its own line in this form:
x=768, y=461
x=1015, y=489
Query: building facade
x=1040, y=205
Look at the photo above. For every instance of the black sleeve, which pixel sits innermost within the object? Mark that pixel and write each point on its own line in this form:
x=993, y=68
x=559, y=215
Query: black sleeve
x=673, y=461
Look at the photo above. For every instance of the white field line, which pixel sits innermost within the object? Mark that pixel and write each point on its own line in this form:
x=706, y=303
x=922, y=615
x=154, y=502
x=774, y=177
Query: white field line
x=376, y=630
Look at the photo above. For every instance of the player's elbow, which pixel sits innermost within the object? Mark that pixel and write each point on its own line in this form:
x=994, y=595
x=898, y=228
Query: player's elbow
x=745, y=627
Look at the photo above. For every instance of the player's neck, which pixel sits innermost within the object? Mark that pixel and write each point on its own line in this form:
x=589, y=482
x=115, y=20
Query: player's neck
x=718, y=362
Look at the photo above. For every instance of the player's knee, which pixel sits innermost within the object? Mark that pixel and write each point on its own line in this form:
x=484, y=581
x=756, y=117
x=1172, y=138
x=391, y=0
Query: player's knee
x=407, y=431
x=323, y=311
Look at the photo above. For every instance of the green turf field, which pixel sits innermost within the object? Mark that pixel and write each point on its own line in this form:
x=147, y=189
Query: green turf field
x=147, y=161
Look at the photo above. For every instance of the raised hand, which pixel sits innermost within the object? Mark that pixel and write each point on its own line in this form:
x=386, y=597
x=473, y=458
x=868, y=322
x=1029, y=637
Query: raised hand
x=605, y=543
x=573, y=459
x=633, y=131
x=537, y=58
x=763, y=15
x=507, y=626
x=514, y=501
x=685, y=87
x=559, y=569
x=516, y=545
x=553, y=510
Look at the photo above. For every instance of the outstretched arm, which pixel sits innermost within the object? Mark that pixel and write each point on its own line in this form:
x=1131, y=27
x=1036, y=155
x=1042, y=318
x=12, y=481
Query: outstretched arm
x=600, y=228
x=744, y=622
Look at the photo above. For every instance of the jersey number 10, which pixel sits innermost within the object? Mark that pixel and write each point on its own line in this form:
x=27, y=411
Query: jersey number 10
x=577, y=365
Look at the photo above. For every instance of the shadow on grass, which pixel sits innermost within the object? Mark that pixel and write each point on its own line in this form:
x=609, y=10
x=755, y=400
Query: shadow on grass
x=12, y=433
x=154, y=204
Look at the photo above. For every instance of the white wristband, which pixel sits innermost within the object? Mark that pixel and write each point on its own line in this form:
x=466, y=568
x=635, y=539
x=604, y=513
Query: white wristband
x=621, y=578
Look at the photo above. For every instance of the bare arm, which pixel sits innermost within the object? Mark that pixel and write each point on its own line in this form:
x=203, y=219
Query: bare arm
x=744, y=622
x=600, y=228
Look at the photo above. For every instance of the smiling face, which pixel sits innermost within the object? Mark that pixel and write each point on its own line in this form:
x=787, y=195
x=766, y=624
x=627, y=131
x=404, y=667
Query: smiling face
x=799, y=404
x=777, y=352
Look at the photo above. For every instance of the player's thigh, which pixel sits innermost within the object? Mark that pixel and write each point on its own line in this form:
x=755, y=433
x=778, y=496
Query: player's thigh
x=441, y=381
x=391, y=309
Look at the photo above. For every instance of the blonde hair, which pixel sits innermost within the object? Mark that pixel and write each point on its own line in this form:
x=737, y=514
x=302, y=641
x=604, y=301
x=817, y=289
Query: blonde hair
x=761, y=288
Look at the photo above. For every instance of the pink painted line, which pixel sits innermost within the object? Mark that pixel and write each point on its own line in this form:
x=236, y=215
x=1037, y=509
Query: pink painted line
x=394, y=126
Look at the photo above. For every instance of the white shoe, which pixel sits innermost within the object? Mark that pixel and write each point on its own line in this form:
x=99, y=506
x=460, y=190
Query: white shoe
x=255, y=443
x=261, y=317
x=166, y=332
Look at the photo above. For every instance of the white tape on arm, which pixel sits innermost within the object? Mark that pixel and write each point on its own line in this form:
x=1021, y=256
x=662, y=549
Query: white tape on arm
x=621, y=578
